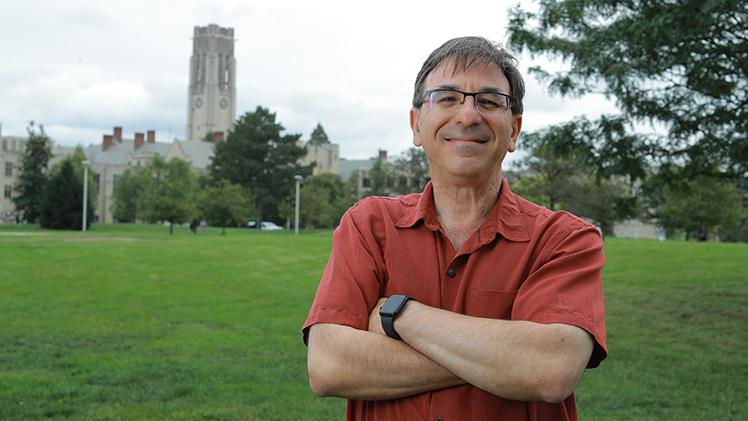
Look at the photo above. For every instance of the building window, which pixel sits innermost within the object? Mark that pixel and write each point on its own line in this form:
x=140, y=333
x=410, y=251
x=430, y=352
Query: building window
x=7, y=192
x=9, y=169
x=96, y=180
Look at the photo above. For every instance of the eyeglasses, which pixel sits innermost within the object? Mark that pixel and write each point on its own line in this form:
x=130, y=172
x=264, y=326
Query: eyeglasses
x=450, y=101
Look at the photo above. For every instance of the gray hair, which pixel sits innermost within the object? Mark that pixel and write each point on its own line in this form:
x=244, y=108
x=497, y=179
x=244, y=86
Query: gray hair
x=468, y=51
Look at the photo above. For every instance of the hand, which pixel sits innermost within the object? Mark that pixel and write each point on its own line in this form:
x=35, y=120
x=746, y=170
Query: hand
x=375, y=321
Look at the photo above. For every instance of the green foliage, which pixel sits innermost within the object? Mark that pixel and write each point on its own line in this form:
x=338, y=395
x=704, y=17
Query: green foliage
x=323, y=201
x=256, y=156
x=410, y=172
x=705, y=201
x=208, y=137
x=62, y=203
x=167, y=196
x=131, y=185
x=225, y=203
x=32, y=177
x=407, y=173
x=379, y=178
x=319, y=137
x=564, y=179
x=676, y=63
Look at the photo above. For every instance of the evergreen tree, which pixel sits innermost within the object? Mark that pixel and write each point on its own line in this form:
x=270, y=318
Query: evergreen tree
x=319, y=137
x=256, y=156
x=33, y=174
x=62, y=204
x=680, y=64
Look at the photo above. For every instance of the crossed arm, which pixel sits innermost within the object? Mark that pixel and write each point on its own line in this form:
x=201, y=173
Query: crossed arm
x=515, y=360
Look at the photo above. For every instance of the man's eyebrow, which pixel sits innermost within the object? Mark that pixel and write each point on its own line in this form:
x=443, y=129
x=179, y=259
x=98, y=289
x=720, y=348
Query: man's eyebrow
x=485, y=90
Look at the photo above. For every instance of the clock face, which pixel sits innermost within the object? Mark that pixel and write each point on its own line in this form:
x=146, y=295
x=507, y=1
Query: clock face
x=224, y=103
x=198, y=103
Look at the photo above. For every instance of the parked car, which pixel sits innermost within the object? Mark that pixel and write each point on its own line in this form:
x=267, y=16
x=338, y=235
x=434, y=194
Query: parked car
x=266, y=226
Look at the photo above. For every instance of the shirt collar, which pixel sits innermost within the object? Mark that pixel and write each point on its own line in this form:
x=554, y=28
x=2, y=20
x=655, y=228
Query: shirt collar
x=505, y=218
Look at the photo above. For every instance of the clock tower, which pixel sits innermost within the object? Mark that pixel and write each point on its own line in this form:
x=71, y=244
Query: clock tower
x=211, y=103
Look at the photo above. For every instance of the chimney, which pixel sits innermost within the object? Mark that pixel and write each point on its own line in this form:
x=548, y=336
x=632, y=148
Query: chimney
x=118, y=134
x=108, y=141
x=217, y=137
x=139, y=140
x=151, y=136
x=382, y=155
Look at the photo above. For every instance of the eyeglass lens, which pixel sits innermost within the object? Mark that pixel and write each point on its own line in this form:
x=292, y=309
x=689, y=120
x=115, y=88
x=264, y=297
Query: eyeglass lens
x=451, y=102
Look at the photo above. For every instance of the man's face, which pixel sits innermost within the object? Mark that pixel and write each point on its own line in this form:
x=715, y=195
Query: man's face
x=465, y=147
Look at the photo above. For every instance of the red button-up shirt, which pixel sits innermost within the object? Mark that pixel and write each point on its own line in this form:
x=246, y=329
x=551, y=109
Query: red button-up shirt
x=524, y=263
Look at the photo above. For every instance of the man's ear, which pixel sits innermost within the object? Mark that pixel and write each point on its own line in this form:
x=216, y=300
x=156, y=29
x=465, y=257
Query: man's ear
x=415, y=116
x=516, y=128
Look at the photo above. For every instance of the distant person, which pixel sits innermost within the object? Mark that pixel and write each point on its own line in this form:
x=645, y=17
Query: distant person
x=661, y=233
x=193, y=226
x=204, y=226
x=464, y=302
x=702, y=234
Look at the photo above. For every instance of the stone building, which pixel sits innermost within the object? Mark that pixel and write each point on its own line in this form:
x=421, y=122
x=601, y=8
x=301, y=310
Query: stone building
x=10, y=154
x=211, y=101
x=116, y=154
x=211, y=107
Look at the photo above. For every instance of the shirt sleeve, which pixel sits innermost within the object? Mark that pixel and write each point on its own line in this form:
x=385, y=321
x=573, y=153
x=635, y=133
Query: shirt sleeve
x=352, y=282
x=565, y=283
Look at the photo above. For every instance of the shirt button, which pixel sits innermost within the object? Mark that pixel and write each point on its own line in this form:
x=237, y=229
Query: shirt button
x=439, y=419
x=451, y=273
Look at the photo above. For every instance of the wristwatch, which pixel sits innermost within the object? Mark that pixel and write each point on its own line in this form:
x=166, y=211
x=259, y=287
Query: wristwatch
x=389, y=311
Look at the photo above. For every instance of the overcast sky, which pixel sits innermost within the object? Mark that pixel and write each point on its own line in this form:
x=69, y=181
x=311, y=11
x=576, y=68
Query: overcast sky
x=81, y=68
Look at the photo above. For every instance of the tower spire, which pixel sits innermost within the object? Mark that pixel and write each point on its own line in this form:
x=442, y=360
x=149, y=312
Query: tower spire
x=211, y=103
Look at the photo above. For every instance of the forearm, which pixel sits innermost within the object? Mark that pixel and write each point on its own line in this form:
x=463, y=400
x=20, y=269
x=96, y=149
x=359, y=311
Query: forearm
x=354, y=364
x=516, y=360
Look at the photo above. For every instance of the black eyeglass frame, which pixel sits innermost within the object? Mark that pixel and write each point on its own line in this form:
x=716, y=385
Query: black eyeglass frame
x=428, y=93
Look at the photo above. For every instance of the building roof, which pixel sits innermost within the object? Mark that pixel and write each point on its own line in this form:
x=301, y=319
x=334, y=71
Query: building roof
x=198, y=153
x=348, y=166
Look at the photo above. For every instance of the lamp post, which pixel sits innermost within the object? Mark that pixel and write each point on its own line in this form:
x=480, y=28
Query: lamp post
x=296, y=221
x=85, y=163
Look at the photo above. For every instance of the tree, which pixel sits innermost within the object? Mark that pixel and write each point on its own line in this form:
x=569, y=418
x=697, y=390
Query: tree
x=410, y=172
x=62, y=203
x=677, y=63
x=551, y=177
x=129, y=188
x=705, y=201
x=256, y=156
x=77, y=159
x=32, y=177
x=167, y=196
x=319, y=137
x=379, y=178
x=225, y=203
x=208, y=137
x=564, y=180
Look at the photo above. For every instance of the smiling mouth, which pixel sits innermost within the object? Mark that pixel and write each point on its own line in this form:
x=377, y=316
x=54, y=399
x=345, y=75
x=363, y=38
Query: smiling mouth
x=466, y=140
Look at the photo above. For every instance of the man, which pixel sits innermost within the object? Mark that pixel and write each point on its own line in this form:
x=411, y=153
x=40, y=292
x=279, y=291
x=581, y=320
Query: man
x=464, y=302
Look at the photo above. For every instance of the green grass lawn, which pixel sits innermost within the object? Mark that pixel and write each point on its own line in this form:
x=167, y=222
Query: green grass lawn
x=125, y=322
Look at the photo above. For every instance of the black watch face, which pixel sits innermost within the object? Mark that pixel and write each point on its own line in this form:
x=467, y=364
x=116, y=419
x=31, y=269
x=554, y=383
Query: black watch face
x=393, y=305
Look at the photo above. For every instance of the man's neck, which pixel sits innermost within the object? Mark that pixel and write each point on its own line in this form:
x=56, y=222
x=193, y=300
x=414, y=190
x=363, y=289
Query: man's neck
x=461, y=210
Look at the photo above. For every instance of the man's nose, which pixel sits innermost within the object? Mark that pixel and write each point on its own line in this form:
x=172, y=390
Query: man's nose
x=468, y=113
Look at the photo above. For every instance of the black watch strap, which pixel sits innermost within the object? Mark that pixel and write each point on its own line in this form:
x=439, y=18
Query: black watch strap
x=389, y=312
